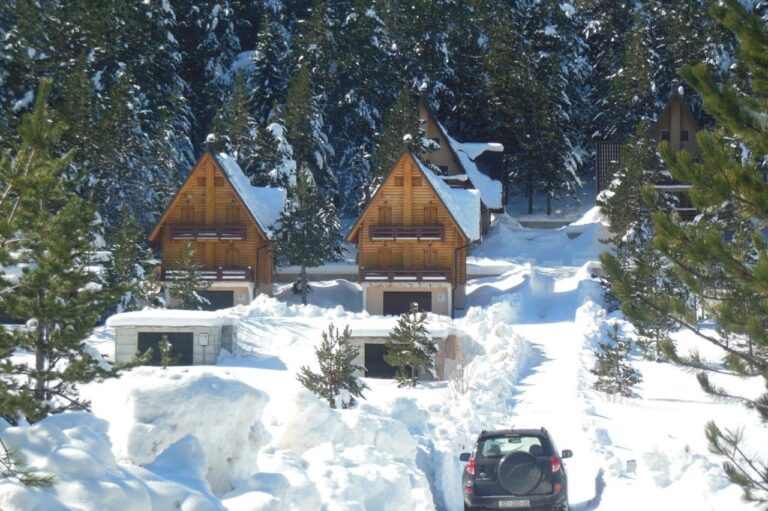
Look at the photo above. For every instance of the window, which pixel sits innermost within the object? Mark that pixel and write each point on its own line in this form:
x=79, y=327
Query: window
x=188, y=214
x=415, y=181
x=398, y=180
x=684, y=136
x=201, y=181
x=232, y=215
x=665, y=135
x=218, y=181
x=496, y=447
x=385, y=258
x=385, y=215
x=430, y=259
x=430, y=215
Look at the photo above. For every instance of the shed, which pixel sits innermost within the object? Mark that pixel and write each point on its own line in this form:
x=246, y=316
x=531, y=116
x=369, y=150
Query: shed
x=371, y=335
x=196, y=337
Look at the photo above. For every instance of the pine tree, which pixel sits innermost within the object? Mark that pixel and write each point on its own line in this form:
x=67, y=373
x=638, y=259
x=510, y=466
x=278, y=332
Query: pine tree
x=46, y=230
x=721, y=258
x=13, y=467
x=336, y=382
x=236, y=128
x=187, y=283
x=268, y=159
x=410, y=347
x=307, y=233
x=129, y=264
x=614, y=374
x=401, y=120
x=268, y=80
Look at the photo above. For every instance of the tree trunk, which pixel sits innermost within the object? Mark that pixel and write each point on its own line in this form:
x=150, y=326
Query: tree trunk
x=529, y=188
x=549, y=203
x=303, y=278
x=40, y=362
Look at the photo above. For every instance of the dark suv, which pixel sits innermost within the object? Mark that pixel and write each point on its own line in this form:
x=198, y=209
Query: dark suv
x=515, y=469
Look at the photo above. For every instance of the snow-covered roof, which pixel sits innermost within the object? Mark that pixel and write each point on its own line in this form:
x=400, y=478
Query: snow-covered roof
x=170, y=317
x=381, y=326
x=264, y=203
x=462, y=204
x=467, y=152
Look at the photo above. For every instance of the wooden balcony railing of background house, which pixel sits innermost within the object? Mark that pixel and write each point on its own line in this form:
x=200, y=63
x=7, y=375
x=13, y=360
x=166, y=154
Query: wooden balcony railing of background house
x=384, y=275
x=406, y=232
x=207, y=232
x=219, y=274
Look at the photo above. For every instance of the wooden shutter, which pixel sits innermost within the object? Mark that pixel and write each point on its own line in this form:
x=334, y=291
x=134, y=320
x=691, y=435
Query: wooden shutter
x=385, y=215
x=430, y=215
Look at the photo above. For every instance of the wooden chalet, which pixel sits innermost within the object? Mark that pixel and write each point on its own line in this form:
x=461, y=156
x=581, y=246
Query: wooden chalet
x=470, y=165
x=228, y=222
x=676, y=125
x=412, y=240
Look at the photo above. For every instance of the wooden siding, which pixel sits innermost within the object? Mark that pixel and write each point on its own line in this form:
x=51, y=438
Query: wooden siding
x=417, y=204
x=213, y=201
x=443, y=157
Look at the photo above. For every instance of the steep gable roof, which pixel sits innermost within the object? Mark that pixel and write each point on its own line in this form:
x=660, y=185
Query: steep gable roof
x=462, y=205
x=264, y=204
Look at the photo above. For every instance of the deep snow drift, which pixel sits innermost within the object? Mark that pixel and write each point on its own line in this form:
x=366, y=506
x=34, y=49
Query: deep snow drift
x=244, y=435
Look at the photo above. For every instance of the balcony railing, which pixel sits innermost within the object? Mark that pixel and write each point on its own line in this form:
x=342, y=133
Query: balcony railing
x=225, y=274
x=406, y=232
x=373, y=275
x=208, y=232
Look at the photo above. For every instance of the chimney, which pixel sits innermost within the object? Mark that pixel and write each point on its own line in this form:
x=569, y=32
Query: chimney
x=210, y=142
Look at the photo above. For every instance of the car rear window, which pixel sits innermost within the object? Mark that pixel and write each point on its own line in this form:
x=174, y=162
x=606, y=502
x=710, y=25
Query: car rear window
x=496, y=447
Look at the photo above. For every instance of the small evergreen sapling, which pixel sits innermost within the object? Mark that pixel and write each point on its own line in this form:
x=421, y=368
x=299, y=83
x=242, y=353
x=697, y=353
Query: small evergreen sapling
x=336, y=382
x=614, y=374
x=165, y=351
x=187, y=283
x=410, y=346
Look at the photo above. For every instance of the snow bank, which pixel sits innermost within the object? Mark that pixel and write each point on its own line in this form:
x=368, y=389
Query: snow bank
x=75, y=449
x=151, y=410
x=170, y=317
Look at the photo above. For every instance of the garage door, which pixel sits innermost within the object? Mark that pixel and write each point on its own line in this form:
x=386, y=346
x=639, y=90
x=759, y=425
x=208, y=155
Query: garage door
x=181, y=346
x=375, y=365
x=218, y=300
x=398, y=302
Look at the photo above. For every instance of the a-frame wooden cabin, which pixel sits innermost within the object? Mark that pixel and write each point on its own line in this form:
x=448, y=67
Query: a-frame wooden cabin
x=228, y=221
x=471, y=165
x=412, y=240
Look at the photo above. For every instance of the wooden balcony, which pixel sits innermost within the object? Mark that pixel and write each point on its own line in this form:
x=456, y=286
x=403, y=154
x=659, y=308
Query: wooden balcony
x=386, y=275
x=218, y=274
x=207, y=232
x=406, y=232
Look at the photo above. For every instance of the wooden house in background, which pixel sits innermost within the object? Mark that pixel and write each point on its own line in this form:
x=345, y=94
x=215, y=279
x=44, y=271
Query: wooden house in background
x=676, y=125
x=228, y=222
x=412, y=240
x=470, y=165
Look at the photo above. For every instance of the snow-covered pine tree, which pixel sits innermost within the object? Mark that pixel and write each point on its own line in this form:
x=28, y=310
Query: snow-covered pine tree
x=129, y=265
x=268, y=78
x=308, y=232
x=337, y=381
x=45, y=229
x=614, y=373
x=236, y=128
x=187, y=283
x=410, y=348
x=722, y=256
x=401, y=120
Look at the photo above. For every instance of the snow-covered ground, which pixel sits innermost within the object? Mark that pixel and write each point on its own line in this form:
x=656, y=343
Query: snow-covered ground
x=244, y=435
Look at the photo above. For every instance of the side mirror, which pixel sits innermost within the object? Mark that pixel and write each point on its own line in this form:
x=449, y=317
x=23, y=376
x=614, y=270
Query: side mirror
x=464, y=456
x=567, y=453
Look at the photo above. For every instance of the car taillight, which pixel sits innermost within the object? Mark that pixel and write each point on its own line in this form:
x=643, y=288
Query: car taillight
x=555, y=464
x=471, y=466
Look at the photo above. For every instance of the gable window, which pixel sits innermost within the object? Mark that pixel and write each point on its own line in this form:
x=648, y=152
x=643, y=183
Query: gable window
x=201, y=181
x=385, y=215
x=188, y=214
x=415, y=181
x=684, y=136
x=398, y=180
x=218, y=181
x=665, y=135
x=430, y=215
x=232, y=215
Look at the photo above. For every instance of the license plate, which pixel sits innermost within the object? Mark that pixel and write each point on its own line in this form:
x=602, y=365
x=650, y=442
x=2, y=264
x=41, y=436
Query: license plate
x=514, y=504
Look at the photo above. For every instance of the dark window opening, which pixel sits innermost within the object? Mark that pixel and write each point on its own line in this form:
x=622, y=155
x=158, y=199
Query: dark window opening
x=665, y=135
x=684, y=136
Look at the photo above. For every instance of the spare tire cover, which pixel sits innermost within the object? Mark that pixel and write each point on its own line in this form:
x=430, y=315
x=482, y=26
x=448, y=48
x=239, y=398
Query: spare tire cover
x=518, y=473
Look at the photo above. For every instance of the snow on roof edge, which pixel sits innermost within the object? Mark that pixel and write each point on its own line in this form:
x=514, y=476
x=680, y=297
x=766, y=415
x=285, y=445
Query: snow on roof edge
x=170, y=317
